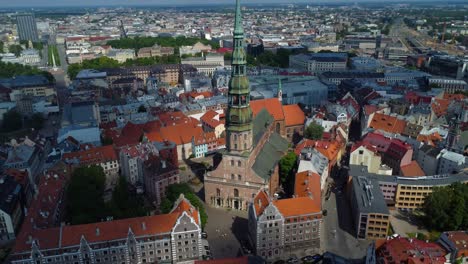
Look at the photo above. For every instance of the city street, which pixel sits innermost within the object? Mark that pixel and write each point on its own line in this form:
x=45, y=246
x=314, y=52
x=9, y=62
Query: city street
x=338, y=231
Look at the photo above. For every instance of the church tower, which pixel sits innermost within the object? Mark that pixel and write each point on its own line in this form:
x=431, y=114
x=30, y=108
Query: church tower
x=239, y=136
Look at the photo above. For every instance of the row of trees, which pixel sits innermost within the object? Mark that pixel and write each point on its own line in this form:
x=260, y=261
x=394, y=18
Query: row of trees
x=172, y=194
x=143, y=42
x=106, y=62
x=8, y=70
x=85, y=198
x=446, y=208
x=13, y=121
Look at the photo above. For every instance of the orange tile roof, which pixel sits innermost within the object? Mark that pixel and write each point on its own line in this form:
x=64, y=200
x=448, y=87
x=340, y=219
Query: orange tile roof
x=293, y=114
x=299, y=206
x=179, y=134
x=456, y=97
x=430, y=139
x=93, y=155
x=272, y=105
x=440, y=106
x=261, y=201
x=211, y=118
x=387, y=123
x=66, y=236
x=307, y=182
x=329, y=149
x=305, y=143
x=412, y=170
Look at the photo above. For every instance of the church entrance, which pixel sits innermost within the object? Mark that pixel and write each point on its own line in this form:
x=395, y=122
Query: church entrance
x=236, y=204
x=218, y=201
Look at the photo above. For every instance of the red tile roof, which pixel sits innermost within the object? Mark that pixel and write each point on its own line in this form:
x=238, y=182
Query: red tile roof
x=403, y=250
x=67, y=236
x=307, y=183
x=93, y=155
x=179, y=134
x=211, y=119
x=272, y=105
x=293, y=114
x=260, y=202
x=412, y=170
x=387, y=123
x=299, y=206
x=440, y=106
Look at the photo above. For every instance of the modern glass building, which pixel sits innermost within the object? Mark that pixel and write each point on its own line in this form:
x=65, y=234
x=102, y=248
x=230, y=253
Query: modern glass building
x=27, y=28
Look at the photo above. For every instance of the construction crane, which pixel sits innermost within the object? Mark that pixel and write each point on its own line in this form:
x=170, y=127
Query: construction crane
x=123, y=32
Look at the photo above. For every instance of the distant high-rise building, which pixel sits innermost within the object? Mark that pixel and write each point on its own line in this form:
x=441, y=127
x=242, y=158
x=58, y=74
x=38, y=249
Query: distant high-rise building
x=27, y=28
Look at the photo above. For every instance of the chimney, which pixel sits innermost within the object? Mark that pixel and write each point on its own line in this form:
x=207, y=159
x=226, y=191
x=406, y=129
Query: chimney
x=143, y=225
x=163, y=164
x=97, y=231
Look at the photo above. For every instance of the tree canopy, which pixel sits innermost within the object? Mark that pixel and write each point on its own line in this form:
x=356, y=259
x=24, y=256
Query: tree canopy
x=143, y=42
x=124, y=205
x=15, y=49
x=446, y=208
x=287, y=165
x=313, y=131
x=172, y=194
x=12, y=121
x=106, y=62
x=85, y=201
x=8, y=70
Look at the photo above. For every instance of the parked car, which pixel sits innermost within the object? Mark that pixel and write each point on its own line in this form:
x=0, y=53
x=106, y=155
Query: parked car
x=204, y=235
x=312, y=259
x=292, y=260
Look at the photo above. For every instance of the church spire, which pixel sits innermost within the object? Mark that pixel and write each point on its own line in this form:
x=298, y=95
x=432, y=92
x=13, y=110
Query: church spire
x=239, y=114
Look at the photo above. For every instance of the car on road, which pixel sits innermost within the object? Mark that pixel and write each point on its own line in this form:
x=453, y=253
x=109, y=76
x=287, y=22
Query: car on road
x=325, y=212
x=204, y=235
x=312, y=259
x=292, y=260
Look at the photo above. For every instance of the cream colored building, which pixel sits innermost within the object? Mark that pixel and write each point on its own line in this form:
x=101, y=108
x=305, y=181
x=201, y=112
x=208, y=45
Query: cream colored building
x=366, y=156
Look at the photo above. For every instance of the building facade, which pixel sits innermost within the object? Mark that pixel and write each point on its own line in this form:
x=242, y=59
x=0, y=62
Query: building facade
x=27, y=27
x=169, y=238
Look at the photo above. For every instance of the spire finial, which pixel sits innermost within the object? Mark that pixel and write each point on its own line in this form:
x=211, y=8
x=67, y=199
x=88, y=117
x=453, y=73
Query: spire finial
x=280, y=90
x=238, y=20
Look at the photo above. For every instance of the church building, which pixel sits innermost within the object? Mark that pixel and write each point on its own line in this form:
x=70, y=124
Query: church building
x=253, y=147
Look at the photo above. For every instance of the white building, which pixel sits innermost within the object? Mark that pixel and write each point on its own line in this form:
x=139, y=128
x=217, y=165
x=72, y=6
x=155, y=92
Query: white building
x=30, y=57
x=451, y=162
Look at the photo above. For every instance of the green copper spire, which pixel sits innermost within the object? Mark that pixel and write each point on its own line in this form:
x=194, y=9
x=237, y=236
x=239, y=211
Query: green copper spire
x=239, y=114
x=238, y=20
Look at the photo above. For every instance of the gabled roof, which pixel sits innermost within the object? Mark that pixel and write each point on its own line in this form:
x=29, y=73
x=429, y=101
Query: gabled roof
x=293, y=114
x=270, y=155
x=307, y=183
x=65, y=236
x=260, y=202
x=179, y=134
x=272, y=105
x=412, y=170
x=93, y=155
x=299, y=206
x=387, y=123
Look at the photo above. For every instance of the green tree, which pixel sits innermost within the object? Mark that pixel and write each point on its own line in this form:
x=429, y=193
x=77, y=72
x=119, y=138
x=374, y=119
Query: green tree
x=36, y=121
x=172, y=194
x=314, y=131
x=98, y=63
x=125, y=205
x=287, y=165
x=85, y=192
x=446, y=208
x=15, y=49
x=8, y=70
x=12, y=120
x=2, y=46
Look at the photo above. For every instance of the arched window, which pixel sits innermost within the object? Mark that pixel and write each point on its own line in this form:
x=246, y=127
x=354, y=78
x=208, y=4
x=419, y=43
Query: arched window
x=278, y=128
x=218, y=192
x=236, y=193
x=239, y=177
x=239, y=163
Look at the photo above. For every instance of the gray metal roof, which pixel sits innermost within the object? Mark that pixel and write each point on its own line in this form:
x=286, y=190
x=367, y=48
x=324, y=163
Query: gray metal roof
x=270, y=155
x=435, y=180
x=369, y=197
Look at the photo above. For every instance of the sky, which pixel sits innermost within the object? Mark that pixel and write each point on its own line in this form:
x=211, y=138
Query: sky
x=36, y=3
